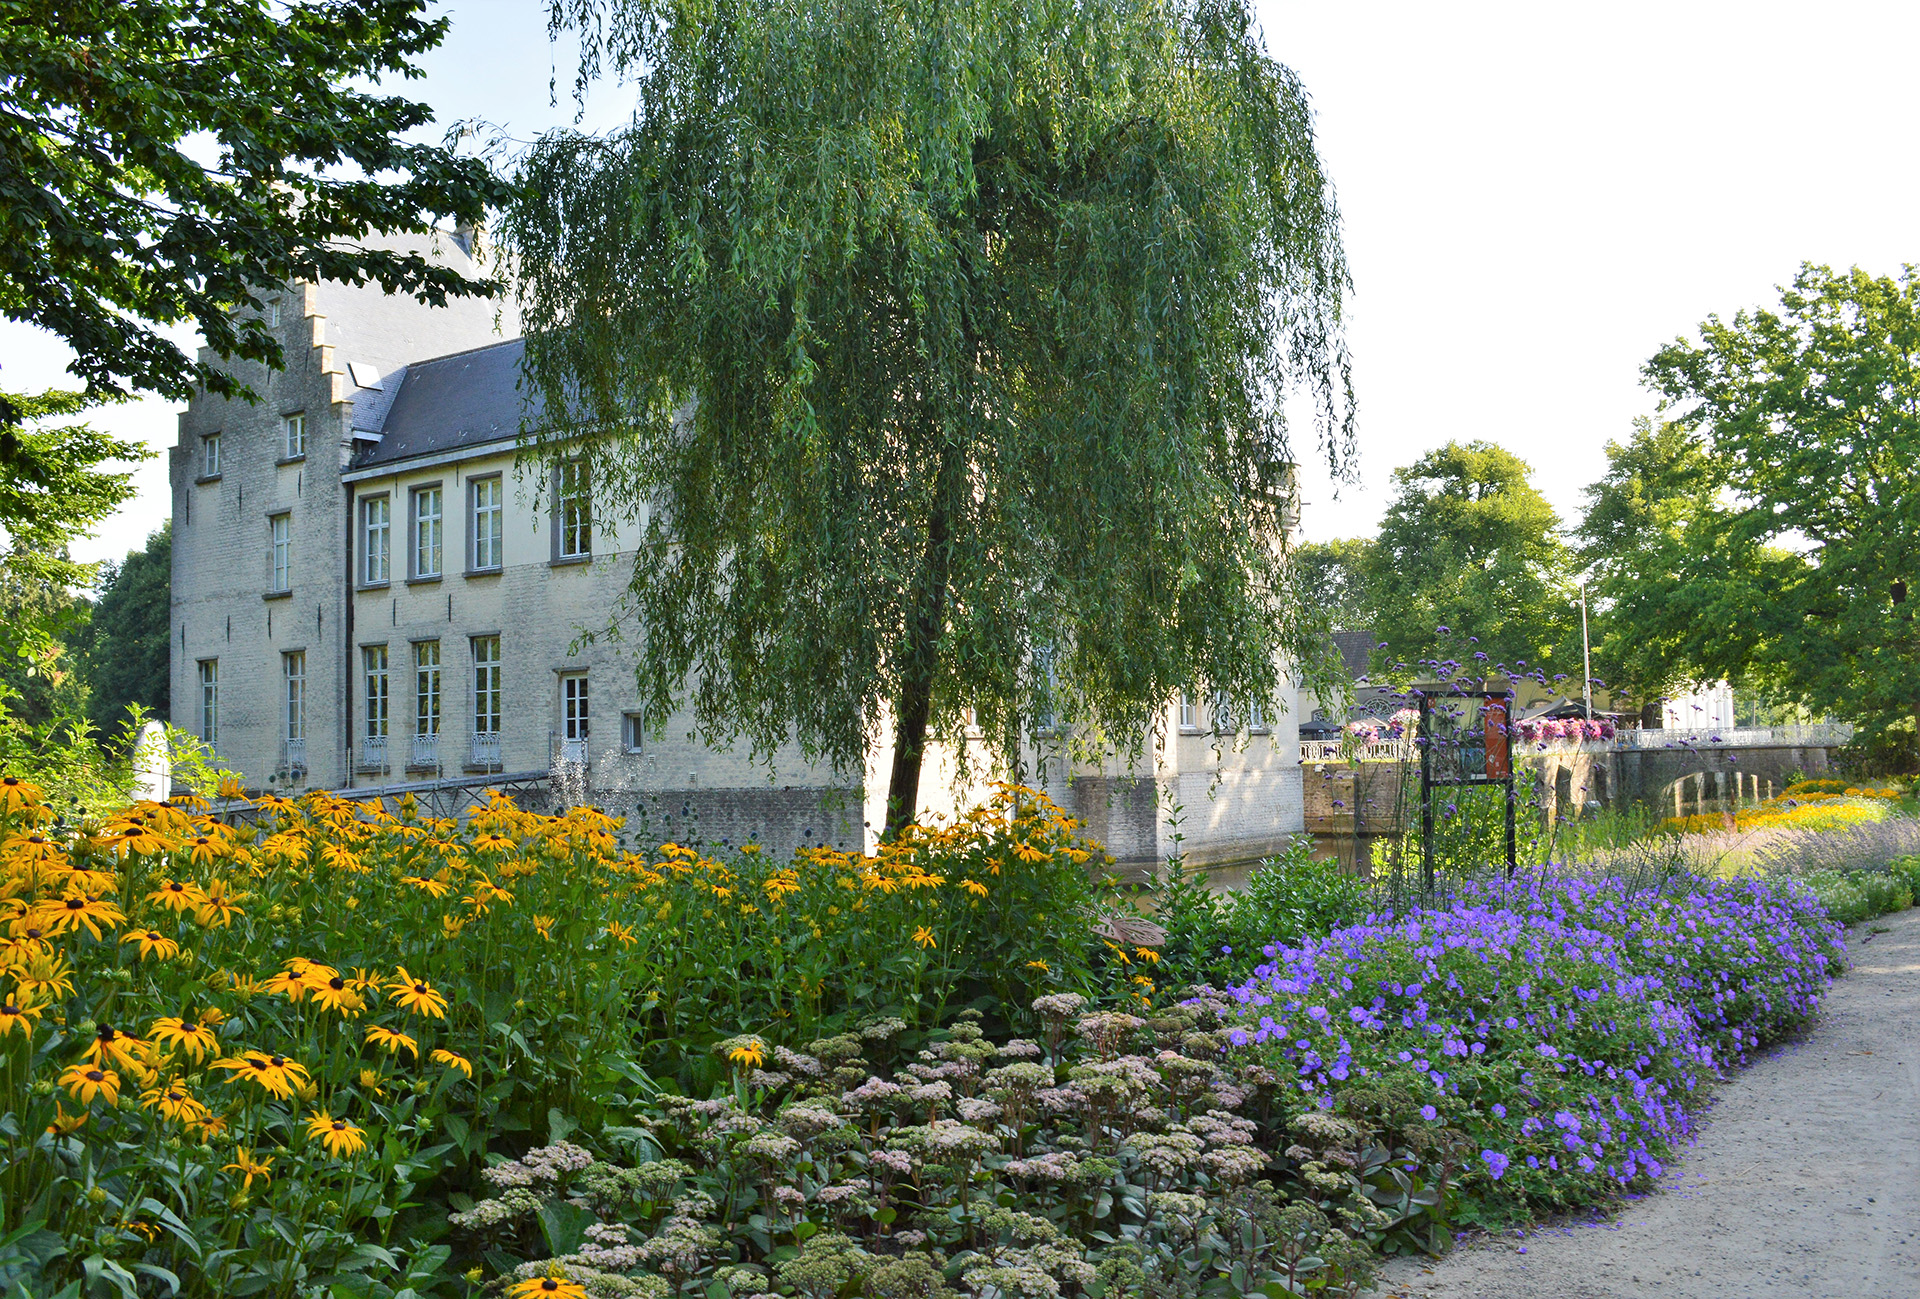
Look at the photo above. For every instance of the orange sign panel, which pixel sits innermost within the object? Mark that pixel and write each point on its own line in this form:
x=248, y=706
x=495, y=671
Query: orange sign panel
x=1493, y=724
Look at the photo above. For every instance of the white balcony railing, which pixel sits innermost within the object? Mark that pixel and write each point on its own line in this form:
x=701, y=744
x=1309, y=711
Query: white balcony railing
x=1335, y=751
x=486, y=749
x=1820, y=734
x=426, y=751
x=373, y=753
x=295, y=764
x=574, y=750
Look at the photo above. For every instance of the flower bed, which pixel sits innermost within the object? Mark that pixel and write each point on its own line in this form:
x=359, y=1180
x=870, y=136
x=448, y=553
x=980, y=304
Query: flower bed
x=1567, y=1029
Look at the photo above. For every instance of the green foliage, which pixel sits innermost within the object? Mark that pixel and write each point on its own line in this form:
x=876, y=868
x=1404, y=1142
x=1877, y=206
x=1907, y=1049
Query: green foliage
x=1215, y=937
x=117, y=221
x=126, y=644
x=52, y=486
x=964, y=398
x=1853, y=896
x=1809, y=418
x=1332, y=577
x=1469, y=560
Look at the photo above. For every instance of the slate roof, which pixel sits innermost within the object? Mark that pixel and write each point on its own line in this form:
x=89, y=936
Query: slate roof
x=445, y=404
x=1356, y=648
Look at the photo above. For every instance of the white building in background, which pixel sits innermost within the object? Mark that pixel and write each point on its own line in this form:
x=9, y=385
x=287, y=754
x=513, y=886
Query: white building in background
x=372, y=586
x=1708, y=707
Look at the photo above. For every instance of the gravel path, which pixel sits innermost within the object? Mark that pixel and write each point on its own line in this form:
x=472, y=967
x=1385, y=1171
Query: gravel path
x=1805, y=1180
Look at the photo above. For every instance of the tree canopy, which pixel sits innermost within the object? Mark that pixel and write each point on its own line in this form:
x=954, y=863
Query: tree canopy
x=1332, y=577
x=116, y=221
x=950, y=341
x=126, y=642
x=1804, y=570
x=1469, y=562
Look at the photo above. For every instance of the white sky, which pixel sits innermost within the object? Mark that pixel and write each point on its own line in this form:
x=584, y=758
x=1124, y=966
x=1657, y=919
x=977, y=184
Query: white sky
x=1536, y=198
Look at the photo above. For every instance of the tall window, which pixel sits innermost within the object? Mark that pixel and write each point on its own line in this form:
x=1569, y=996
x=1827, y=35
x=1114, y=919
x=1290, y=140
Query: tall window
x=426, y=687
x=426, y=532
x=271, y=312
x=296, y=435
x=376, y=514
x=374, y=659
x=488, y=522
x=209, y=700
x=1256, y=717
x=210, y=456
x=293, y=665
x=486, y=685
x=1187, y=719
x=282, y=552
x=573, y=510
x=573, y=709
x=1224, y=722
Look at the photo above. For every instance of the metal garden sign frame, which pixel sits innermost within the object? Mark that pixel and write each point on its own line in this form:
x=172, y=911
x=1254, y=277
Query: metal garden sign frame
x=1481, y=755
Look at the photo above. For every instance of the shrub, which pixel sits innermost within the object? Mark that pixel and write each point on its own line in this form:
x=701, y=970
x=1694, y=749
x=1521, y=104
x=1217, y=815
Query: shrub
x=1290, y=897
x=1568, y=1028
x=1852, y=896
x=1823, y=786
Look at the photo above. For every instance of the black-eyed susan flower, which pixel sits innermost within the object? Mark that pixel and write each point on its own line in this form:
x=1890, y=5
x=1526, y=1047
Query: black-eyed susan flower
x=45, y=976
x=369, y=1081
x=218, y=908
x=1041, y=966
x=230, y=788
x=433, y=887
x=174, y=1102
x=443, y=1056
x=747, y=1052
x=620, y=933
x=137, y=838
x=178, y=895
x=17, y=1014
x=111, y=1047
x=86, y=1082
x=250, y=1166
x=974, y=887
x=554, y=1285
x=392, y=1041
x=274, y=1074
x=1147, y=954
x=17, y=795
x=337, y=1135
x=415, y=995
x=79, y=910
x=153, y=943
x=543, y=925
x=924, y=936
x=184, y=1034
x=65, y=1124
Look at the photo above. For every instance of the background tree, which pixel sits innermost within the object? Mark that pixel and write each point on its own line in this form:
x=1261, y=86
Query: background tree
x=53, y=490
x=1332, y=577
x=1468, y=544
x=126, y=645
x=989, y=310
x=1810, y=416
x=1649, y=523
x=110, y=223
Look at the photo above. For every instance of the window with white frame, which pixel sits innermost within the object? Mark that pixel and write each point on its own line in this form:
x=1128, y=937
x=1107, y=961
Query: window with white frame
x=489, y=521
x=426, y=687
x=296, y=426
x=1046, y=719
x=270, y=312
x=1189, y=719
x=373, y=658
x=575, y=717
x=282, y=526
x=376, y=540
x=633, y=732
x=426, y=531
x=486, y=685
x=210, y=456
x=209, y=700
x=293, y=670
x=1224, y=721
x=573, y=511
x=1257, y=717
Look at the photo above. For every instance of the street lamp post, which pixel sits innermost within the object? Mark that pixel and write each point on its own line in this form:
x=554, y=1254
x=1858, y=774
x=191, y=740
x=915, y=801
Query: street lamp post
x=1586, y=656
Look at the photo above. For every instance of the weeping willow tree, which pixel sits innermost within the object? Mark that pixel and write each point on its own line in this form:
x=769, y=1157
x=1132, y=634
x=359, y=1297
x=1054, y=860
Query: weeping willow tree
x=943, y=345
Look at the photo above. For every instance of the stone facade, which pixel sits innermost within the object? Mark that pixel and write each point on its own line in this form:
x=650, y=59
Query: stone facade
x=284, y=631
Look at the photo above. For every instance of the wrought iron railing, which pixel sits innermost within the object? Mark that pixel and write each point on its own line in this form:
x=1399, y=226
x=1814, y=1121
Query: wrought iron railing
x=373, y=753
x=426, y=751
x=486, y=749
x=294, y=762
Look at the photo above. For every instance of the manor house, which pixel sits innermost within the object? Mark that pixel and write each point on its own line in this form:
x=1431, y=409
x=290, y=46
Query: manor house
x=373, y=586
